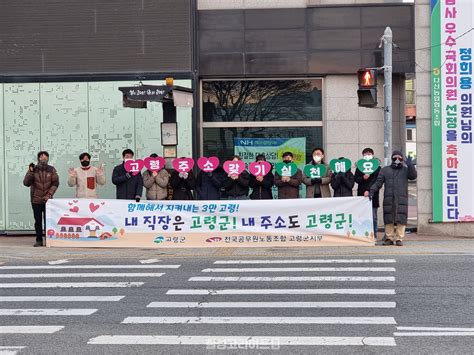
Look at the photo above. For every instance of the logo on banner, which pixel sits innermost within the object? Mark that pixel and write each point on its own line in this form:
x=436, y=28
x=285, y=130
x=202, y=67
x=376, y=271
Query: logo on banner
x=183, y=165
x=208, y=165
x=260, y=168
x=315, y=171
x=134, y=167
x=234, y=167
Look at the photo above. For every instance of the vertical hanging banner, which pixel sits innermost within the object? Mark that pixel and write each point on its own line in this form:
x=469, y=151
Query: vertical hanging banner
x=451, y=89
x=209, y=224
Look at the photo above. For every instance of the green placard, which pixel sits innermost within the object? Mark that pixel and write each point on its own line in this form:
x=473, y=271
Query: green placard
x=340, y=165
x=314, y=171
x=368, y=166
x=284, y=169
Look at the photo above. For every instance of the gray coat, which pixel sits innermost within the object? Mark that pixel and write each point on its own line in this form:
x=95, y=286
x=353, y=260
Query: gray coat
x=395, y=198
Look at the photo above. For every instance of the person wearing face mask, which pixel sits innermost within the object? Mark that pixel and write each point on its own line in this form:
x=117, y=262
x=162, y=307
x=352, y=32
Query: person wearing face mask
x=318, y=187
x=156, y=183
x=288, y=186
x=261, y=185
x=395, y=200
x=365, y=182
x=129, y=186
x=183, y=185
x=43, y=181
x=86, y=177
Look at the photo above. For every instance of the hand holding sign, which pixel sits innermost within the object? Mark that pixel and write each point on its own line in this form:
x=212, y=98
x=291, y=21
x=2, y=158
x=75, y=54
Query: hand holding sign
x=340, y=165
x=368, y=167
x=315, y=171
x=134, y=167
x=183, y=165
x=260, y=168
x=208, y=165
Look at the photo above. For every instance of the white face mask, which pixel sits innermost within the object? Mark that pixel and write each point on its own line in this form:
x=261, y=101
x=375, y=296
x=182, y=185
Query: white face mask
x=368, y=157
x=317, y=158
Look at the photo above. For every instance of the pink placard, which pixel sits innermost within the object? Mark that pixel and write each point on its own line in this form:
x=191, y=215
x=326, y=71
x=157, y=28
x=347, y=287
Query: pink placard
x=183, y=165
x=260, y=168
x=234, y=167
x=208, y=165
x=134, y=167
x=154, y=164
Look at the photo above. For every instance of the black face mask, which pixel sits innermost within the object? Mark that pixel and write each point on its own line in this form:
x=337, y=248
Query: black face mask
x=396, y=163
x=85, y=163
x=287, y=161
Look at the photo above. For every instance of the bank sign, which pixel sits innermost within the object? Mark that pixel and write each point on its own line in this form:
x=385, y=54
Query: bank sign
x=451, y=81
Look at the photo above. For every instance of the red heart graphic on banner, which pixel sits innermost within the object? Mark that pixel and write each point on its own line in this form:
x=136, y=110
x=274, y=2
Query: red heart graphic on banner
x=154, y=164
x=234, y=167
x=75, y=209
x=183, y=165
x=134, y=167
x=208, y=165
x=260, y=168
x=93, y=207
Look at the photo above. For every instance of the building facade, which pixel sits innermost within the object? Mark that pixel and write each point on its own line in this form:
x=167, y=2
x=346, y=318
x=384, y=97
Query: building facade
x=259, y=69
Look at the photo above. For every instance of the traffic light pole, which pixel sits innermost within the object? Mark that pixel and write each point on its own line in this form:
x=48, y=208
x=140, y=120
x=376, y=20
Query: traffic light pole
x=387, y=74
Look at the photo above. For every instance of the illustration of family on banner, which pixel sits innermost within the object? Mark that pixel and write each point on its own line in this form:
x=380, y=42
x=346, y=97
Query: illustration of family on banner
x=170, y=201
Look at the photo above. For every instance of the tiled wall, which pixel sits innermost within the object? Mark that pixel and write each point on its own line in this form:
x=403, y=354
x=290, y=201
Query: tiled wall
x=66, y=119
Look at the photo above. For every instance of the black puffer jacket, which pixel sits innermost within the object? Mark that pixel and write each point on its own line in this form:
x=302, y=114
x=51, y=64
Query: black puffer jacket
x=365, y=185
x=239, y=187
x=395, y=198
x=182, y=188
x=342, y=184
x=261, y=190
x=208, y=185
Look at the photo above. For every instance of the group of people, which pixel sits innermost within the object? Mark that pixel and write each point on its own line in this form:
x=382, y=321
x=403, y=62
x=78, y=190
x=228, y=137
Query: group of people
x=43, y=181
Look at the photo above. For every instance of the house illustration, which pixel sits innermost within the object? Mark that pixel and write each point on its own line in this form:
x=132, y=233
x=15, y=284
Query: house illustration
x=79, y=227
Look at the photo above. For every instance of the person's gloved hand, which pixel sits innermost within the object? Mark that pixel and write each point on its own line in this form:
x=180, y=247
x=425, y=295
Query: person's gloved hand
x=315, y=181
x=128, y=175
x=137, y=198
x=409, y=160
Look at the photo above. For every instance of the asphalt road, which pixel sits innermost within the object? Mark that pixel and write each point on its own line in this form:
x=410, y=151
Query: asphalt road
x=389, y=304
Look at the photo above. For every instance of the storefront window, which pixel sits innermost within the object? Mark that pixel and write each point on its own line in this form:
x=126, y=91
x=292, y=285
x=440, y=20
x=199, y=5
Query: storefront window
x=250, y=109
x=262, y=100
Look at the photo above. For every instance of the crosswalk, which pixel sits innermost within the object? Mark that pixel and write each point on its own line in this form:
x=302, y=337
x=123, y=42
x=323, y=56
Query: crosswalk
x=276, y=307
x=30, y=307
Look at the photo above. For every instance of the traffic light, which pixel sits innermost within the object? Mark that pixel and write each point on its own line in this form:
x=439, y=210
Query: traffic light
x=367, y=92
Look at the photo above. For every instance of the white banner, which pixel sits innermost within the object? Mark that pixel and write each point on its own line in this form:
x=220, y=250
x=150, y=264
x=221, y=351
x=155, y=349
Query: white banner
x=183, y=224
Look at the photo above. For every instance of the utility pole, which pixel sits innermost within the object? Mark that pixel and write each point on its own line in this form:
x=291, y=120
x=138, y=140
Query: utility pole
x=387, y=74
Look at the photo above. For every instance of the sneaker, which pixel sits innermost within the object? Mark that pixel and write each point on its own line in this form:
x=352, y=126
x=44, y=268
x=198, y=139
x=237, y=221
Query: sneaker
x=38, y=244
x=387, y=242
x=399, y=243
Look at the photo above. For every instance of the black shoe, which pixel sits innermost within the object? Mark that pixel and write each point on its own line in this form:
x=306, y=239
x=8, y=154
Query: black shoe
x=399, y=243
x=38, y=244
x=387, y=242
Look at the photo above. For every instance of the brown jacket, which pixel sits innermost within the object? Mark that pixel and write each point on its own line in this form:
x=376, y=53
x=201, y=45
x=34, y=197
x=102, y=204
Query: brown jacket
x=43, y=183
x=156, y=186
x=325, y=181
x=290, y=189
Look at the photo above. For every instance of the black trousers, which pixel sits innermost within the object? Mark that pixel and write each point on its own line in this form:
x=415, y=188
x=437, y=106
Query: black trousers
x=39, y=212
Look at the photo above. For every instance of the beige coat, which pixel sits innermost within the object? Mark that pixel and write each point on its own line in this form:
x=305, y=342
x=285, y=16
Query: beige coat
x=156, y=186
x=325, y=181
x=86, y=181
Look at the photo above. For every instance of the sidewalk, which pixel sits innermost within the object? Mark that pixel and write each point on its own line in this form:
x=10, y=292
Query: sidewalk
x=20, y=249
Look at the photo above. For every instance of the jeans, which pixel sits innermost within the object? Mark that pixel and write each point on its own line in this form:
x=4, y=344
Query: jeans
x=39, y=213
x=374, y=217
